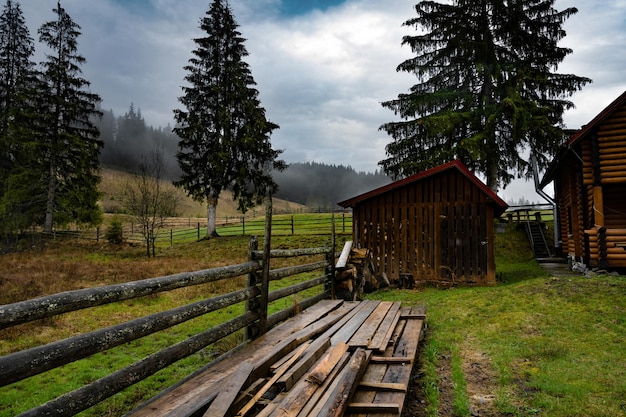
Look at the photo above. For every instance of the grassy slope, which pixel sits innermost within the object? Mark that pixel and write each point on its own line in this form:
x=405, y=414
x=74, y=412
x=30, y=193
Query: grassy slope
x=545, y=346
x=113, y=183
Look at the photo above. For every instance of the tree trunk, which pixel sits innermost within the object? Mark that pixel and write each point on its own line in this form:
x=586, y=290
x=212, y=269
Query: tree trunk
x=211, y=215
x=52, y=185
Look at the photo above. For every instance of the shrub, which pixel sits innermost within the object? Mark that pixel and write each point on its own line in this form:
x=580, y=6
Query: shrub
x=114, y=233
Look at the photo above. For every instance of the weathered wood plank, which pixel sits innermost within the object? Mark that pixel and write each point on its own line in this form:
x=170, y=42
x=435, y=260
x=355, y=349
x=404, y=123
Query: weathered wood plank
x=323, y=369
x=300, y=394
x=194, y=392
x=364, y=335
x=344, y=334
x=247, y=407
x=377, y=408
x=376, y=372
x=321, y=392
x=399, y=373
x=345, y=254
x=316, y=350
x=385, y=330
x=229, y=391
x=391, y=359
x=382, y=386
x=348, y=381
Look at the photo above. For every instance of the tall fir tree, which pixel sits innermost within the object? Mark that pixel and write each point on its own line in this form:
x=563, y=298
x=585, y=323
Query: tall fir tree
x=71, y=143
x=20, y=191
x=487, y=91
x=225, y=136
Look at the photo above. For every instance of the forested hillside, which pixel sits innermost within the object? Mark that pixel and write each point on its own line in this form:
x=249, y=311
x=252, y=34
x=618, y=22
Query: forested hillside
x=319, y=186
x=322, y=186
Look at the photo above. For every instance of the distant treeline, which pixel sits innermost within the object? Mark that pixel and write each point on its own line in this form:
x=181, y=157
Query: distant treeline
x=320, y=186
x=127, y=139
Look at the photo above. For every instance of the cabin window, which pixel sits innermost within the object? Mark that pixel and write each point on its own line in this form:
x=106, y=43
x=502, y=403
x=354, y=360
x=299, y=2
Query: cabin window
x=614, y=196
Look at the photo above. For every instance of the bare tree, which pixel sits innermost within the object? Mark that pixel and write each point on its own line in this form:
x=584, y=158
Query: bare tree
x=149, y=199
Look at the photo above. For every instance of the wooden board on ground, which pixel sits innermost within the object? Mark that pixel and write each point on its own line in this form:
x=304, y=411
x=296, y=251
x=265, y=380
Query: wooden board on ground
x=336, y=358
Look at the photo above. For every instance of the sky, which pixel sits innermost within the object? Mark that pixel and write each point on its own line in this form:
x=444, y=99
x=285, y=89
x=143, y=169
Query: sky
x=322, y=67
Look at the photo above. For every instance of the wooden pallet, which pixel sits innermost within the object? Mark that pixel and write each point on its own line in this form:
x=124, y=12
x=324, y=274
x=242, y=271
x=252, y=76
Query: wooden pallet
x=335, y=358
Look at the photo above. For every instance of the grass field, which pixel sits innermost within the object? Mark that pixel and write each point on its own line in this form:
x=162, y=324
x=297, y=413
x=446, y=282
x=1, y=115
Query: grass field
x=534, y=345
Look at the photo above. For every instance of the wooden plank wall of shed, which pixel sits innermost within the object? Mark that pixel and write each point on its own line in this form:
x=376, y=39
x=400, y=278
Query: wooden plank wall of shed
x=403, y=229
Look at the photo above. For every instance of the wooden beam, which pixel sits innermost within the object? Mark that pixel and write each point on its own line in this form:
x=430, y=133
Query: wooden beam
x=345, y=255
x=382, y=386
x=347, y=383
x=224, y=401
x=244, y=410
x=374, y=408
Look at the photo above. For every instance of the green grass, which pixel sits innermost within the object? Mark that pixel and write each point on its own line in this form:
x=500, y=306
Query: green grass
x=556, y=345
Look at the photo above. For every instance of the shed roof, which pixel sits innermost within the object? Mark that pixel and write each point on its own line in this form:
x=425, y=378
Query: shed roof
x=456, y=164
x=580, y=135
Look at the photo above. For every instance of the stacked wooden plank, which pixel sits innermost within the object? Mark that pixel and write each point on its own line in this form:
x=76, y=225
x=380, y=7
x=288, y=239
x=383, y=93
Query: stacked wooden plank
x=335, y=358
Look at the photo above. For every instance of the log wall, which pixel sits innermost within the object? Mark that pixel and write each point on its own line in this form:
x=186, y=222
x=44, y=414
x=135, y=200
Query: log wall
x=437, y=229
x=592, y=194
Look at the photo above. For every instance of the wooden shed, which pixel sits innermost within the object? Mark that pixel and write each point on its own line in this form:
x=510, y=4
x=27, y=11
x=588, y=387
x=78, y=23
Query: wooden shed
x=589, y=177
x=437, y=226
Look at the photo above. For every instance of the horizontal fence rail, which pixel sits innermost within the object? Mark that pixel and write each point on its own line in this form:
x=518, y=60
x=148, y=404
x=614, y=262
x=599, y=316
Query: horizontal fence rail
x=17, y=366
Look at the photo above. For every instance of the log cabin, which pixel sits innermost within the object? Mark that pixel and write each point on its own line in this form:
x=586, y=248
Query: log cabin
x=589, y=180
x=436, y=226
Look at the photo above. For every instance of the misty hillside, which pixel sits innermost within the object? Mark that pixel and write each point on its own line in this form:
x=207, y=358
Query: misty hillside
x=127, y=139
x=322, y=186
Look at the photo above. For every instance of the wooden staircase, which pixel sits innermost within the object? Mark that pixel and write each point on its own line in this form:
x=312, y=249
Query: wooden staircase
x=534, y=231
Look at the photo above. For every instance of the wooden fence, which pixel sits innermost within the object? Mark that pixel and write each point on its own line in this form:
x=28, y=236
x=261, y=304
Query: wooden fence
x=255, y=320
x=181, y=230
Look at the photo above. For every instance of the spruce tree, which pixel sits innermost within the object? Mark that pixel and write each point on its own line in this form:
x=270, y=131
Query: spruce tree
x=19, y=189
x=224, y=134
x=487, y=93
x=71, y=144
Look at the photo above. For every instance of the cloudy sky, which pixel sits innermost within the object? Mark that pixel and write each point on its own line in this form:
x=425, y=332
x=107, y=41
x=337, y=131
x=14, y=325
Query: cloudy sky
x=322, y=66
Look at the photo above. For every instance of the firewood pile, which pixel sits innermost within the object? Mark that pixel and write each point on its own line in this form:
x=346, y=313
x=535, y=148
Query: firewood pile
x=333, y=359
x=355, y=275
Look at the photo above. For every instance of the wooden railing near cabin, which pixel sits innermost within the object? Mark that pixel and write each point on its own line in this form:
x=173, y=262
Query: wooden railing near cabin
x=20, y=365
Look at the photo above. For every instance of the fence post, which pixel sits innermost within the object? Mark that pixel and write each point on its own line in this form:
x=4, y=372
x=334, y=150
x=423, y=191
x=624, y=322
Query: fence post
x=253, y=330
x=329, y=286
x=243, y=225
x=171, y=237
x=293, y=229
x=97, y=235
x=198, y=230
x=265, y=278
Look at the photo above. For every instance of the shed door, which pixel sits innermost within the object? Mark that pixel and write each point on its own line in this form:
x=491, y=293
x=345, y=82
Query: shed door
x=463, y=243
